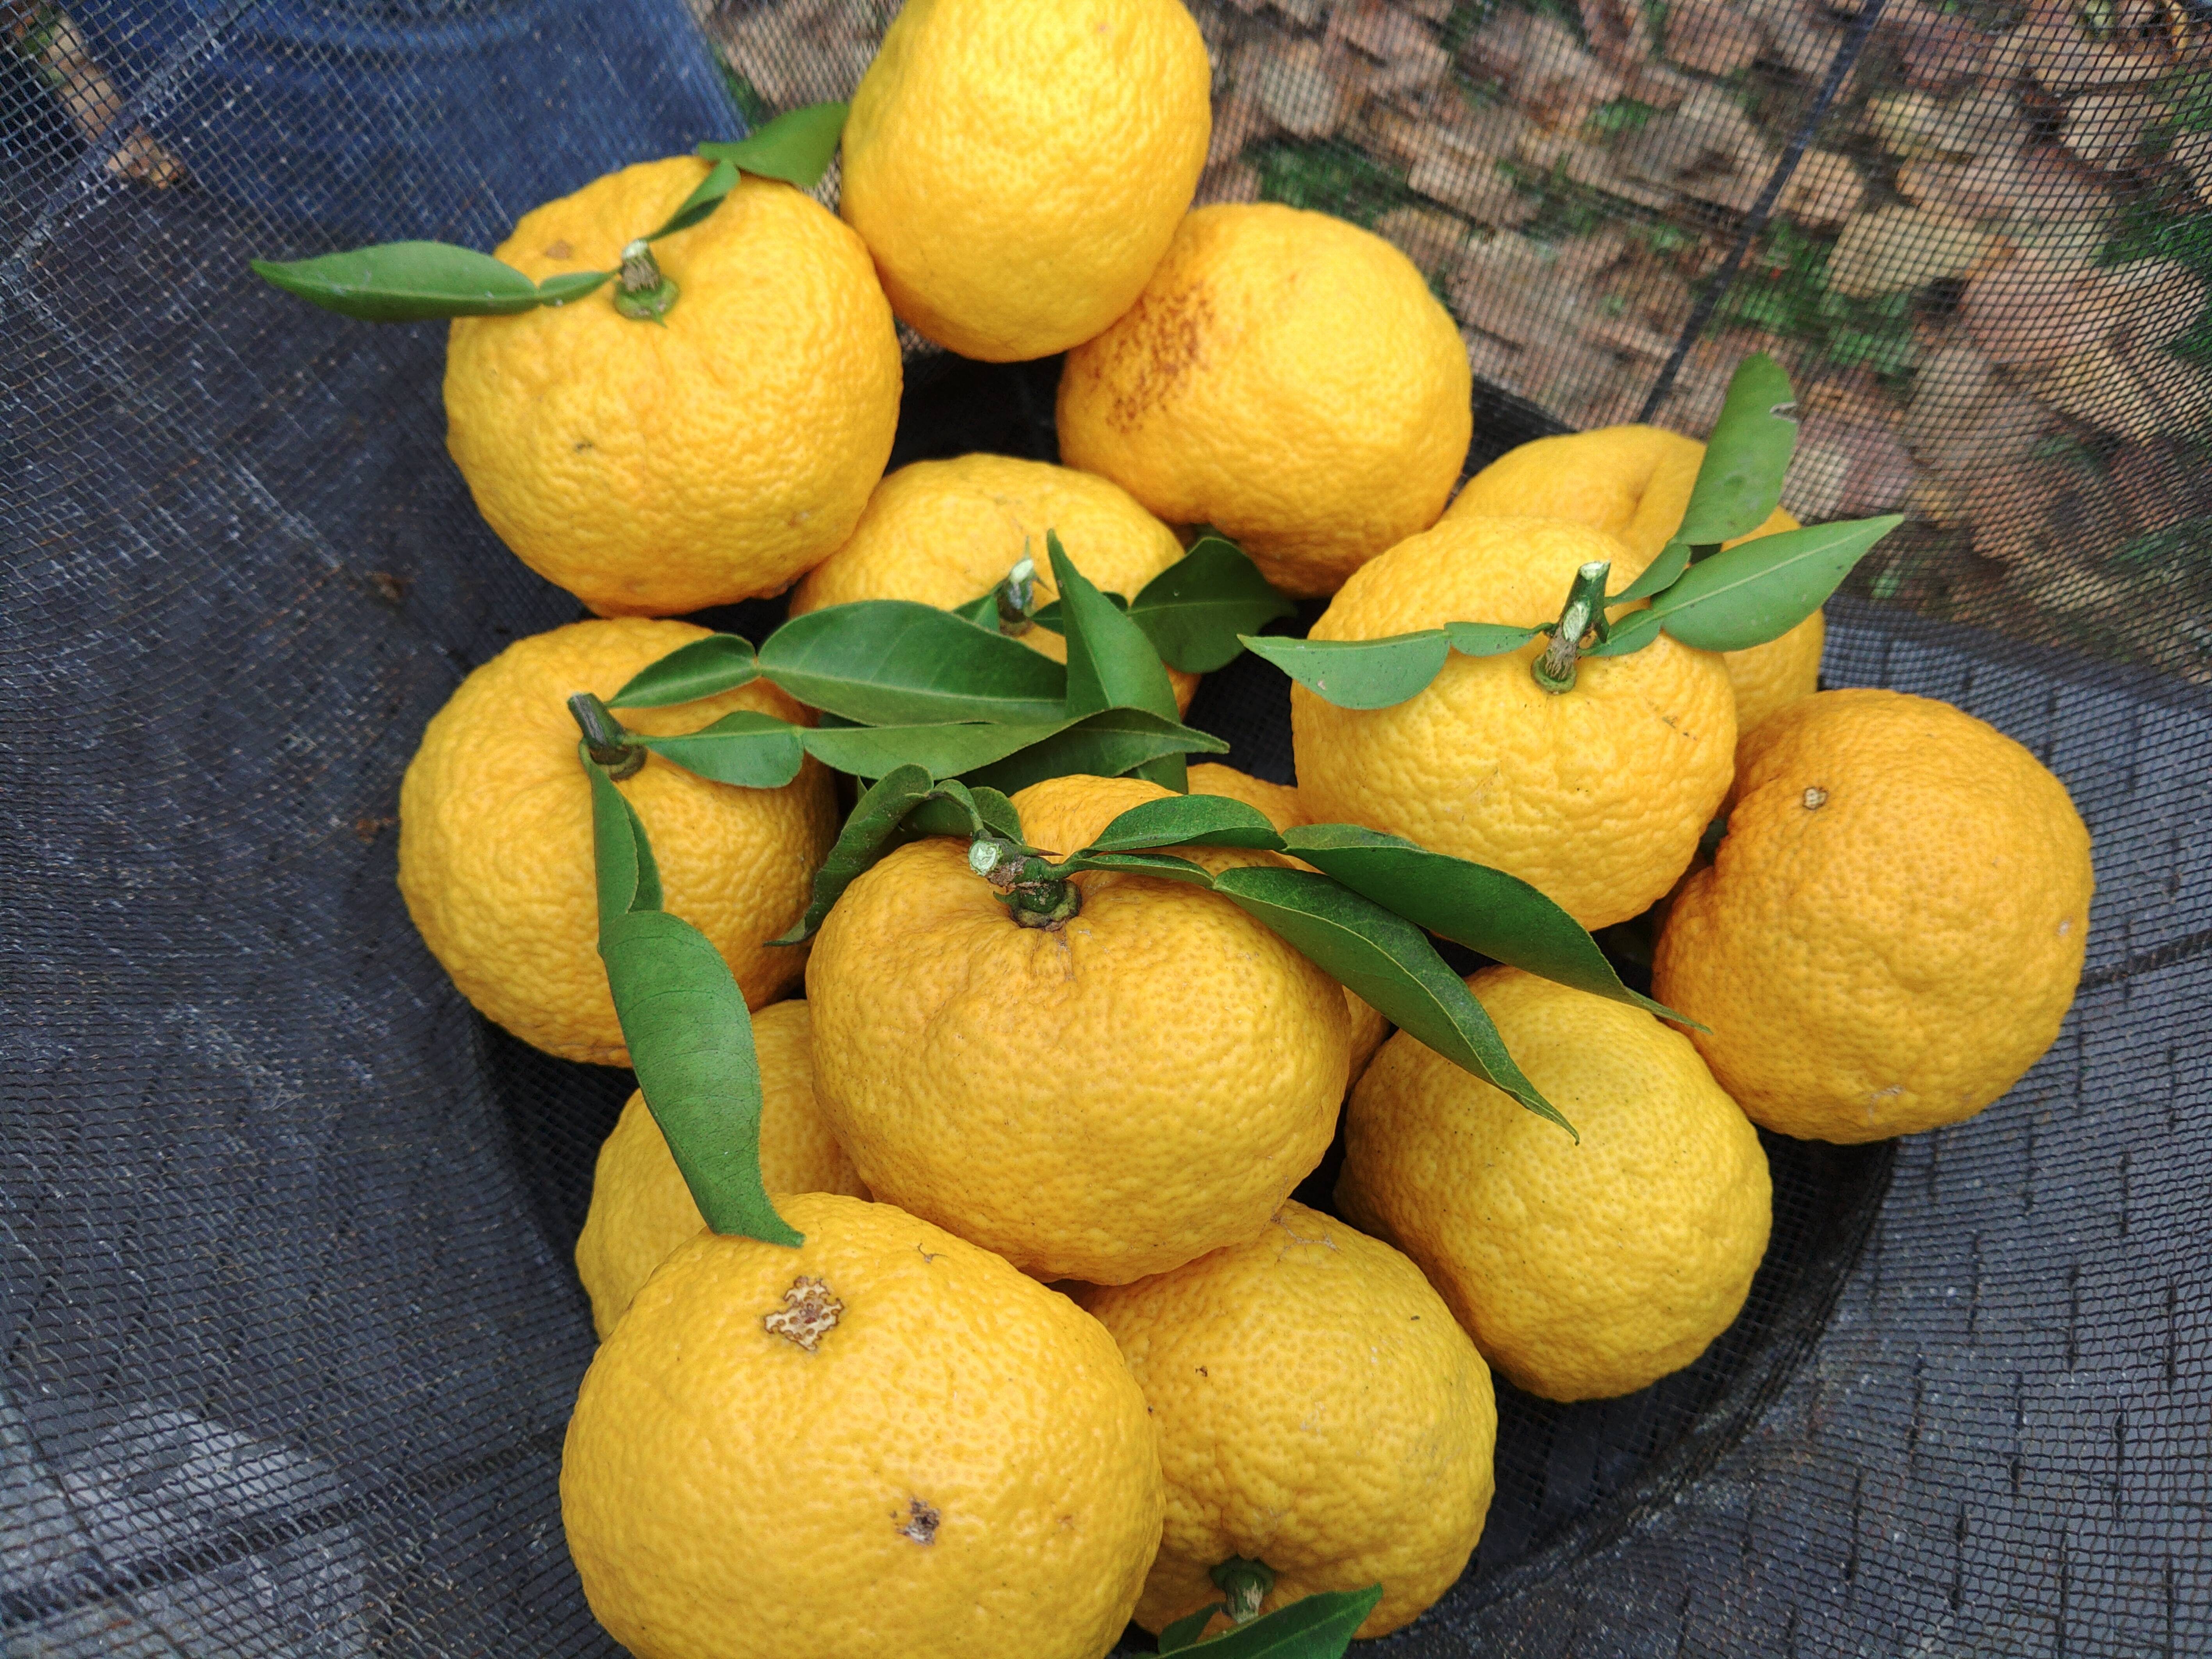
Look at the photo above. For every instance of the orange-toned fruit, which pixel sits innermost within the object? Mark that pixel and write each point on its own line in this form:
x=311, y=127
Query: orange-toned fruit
x=1893, y=927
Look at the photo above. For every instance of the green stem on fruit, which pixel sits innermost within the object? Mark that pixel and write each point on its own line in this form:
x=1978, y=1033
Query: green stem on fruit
x=1017, y=595
x=642, y=293
x=1245, y=1583
x=1554, y=668
x=606, y=739
x=1035, y=894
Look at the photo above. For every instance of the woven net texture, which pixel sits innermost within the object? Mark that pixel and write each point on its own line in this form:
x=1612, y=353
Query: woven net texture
x=288, y=1330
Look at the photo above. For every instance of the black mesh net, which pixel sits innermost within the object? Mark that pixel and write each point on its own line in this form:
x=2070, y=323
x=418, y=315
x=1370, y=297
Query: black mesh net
x=288, y=1331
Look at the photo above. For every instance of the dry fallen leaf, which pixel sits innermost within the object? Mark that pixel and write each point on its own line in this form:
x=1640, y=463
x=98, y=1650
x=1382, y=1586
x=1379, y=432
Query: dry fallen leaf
x=1895, y=248
x=1713, y=37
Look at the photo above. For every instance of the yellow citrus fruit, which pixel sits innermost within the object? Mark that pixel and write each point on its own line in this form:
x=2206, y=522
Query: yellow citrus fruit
x=1633, y=483
x=1017, y=166
x=1597, y=794
x=1285, y=377
x=1279, y=801
x=1583, y=1271
x=1101, y=1099
x=641, y=1208
x=885, y=1441
x=651, y=468
x=1319, y=1413
x=495, y=855
x=945, y=532
x=1893, y=927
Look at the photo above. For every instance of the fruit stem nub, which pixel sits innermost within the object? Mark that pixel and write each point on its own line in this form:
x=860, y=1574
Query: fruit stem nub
x=642, y=291
x=605, y=740
x=1554, y=668
x=1246, y=1584
x=1027, y=885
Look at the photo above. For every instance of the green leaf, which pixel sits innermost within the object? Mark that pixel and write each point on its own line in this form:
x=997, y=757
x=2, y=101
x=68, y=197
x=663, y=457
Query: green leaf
x=947, y=750
x=745, y=747
x=704, y=668
x=892, y=662
x=1048, y=618
x=983, y=612
x=721, y=179
x=1110, y=663
x=1389, y=964
x=1105, y=744
x=622, y=863
x=796, y=146
x=997, y=812
x=1315, y=1627
x=1758, y=591
x=1484, y=909
x=1487, y=639
x=950, y=810
x=1188, y=821
x=1195, y=610
x=405, y=283
x=571, y=286
x=690, y=1041
x=1359, y=674
x=873, y=828
x=684, y=1021
x=1632, y=632
x=1674, y=559
x=1740, y=482
x=1183, y=1631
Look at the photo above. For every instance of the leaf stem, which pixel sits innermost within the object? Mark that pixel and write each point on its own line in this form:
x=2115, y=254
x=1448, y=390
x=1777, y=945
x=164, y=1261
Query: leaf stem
x=1033, y=893
x=1554, y=668
x=606, y=740
x=642, y=292
x=1245, y=1583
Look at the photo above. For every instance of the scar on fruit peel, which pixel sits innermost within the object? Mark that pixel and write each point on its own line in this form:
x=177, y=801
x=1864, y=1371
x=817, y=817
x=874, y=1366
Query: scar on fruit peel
x=1815, y=798
x=922, y=1522
x=810, y=1311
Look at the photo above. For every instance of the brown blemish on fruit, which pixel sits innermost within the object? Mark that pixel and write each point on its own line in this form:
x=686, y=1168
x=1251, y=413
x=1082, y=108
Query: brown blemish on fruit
x=810, y=1312
x=1167, y=340
x=921, y=1523
x=560, y=251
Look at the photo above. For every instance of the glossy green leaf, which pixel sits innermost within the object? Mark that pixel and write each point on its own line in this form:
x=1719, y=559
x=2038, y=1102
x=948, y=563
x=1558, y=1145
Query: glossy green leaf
x=1674, y=559
x=745, y=747
x=1487, y=639
x=1179, y=1635
x=892, y=662
x=704, y=668
x=1194, y=611
x=405, y=283
x=1359, y=674
x=624, y=868
x=1740, y=482
x=1105, y=744
x=1487, y=910
x=1314, y=1628
x=721, y=179
x=1188, y=821
x=690, y=1042
x=1758, y=591
x=796, y=146
x=1389, y=964
x=983, y=612
x=1110, y=662
x=1048, y=616
x=947, y=750
x=1630, y=633
x=873, y=828
x=685, y=1024
x=571, y=286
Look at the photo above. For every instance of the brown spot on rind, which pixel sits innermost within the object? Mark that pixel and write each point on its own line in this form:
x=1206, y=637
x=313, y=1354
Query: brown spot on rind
x=1167, y=340
x=560, y=251
x=920, y=1522
x=810, y=1311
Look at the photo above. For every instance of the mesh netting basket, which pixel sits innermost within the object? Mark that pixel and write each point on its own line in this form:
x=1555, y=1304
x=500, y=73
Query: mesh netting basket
x=288, y=1330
